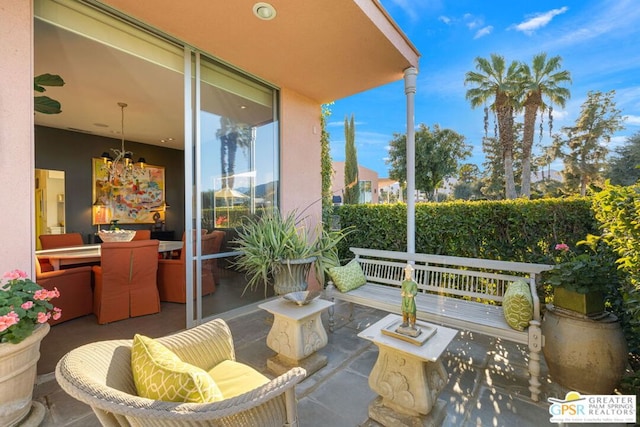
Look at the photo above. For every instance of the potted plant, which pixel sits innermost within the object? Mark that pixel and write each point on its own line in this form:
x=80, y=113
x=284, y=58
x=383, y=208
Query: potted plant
x=585, y=348
x=24, y=312
x=279, y=250
x=581, y=280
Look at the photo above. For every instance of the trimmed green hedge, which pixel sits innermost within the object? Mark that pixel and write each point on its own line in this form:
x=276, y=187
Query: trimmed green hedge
x=513, y=230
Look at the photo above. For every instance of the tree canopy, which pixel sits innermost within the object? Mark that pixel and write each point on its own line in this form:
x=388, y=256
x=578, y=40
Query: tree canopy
x=438, y=153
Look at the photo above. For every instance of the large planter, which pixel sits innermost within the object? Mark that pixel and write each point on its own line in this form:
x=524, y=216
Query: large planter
x=588, y=304
x=292, y=276
x=18, y=368
x=583, y=353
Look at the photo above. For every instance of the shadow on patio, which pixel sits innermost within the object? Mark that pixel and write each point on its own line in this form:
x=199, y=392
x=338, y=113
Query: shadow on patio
x=487, y=377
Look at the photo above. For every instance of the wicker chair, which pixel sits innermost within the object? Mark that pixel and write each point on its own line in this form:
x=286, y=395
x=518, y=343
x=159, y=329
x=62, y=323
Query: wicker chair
x=99, y=374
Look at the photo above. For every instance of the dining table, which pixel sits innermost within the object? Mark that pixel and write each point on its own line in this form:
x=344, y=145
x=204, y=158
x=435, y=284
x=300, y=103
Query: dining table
x=81, y=254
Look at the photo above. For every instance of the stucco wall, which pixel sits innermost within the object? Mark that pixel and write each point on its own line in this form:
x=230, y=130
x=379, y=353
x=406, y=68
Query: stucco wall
x=364, y=174
x=300, y=180
x=16, y=136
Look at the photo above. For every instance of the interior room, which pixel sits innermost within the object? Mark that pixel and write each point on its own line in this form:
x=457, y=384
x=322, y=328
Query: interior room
x=145, y=72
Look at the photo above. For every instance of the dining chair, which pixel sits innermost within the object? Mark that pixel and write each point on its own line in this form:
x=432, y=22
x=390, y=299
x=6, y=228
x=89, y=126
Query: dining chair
x=126, y=280
x=142, y=235
x=74, y=284
x=217, y=245
x=171, y=273
x=53, y=241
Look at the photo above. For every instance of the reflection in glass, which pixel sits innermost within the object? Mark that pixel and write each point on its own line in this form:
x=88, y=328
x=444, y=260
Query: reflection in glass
x=50, y=203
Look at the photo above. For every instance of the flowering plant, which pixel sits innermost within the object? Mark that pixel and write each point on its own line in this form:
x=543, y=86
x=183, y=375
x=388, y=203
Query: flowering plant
x=23, y=305
x=591, y=271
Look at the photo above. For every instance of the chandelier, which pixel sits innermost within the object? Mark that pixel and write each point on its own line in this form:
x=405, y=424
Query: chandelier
x=121, y=167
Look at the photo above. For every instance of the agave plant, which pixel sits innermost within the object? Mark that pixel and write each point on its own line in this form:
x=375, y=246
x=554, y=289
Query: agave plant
x=269, y=242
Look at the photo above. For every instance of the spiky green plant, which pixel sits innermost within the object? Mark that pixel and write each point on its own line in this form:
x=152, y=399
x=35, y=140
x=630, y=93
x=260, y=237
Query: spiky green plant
x=269, y=241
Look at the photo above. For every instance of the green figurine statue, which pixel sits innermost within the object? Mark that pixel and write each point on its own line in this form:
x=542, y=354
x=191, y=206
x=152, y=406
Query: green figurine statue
x=409, y=291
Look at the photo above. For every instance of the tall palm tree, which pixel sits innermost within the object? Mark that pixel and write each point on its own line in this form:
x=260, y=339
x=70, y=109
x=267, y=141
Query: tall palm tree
x=494, y=81
x=539, y=82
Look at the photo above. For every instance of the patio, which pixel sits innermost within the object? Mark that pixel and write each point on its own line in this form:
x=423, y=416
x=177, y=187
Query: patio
x=487, y=378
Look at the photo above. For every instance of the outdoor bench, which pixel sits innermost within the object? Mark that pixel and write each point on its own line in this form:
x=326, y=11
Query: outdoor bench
x=463, y=293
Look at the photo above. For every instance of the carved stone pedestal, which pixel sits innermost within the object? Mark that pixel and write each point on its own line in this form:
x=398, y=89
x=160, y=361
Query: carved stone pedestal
x=297, y=333
x=388, y=417
x=407, y=377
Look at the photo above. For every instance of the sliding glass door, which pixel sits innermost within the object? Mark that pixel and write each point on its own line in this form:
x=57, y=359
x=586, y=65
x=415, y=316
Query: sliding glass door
x=234, y=174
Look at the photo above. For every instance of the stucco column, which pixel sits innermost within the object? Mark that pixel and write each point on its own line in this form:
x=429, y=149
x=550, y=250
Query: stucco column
x=16, y=137
x=410, y=77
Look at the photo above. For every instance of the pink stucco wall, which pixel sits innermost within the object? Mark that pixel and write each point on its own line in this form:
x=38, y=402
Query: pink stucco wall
x=300, y=180
x=364, y=174
x=16, y=136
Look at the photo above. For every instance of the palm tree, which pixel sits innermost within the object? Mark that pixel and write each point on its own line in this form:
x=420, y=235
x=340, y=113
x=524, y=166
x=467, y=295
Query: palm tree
x=539, y=82
x=495, y=82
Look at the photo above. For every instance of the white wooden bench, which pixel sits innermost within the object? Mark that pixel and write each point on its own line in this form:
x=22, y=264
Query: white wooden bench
x=463, y=293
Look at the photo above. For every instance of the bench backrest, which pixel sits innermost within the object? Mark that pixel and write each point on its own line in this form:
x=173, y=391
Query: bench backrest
x=472, y=278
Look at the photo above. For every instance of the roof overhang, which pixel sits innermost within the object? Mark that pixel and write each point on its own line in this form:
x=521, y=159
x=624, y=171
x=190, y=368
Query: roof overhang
x=325, y=49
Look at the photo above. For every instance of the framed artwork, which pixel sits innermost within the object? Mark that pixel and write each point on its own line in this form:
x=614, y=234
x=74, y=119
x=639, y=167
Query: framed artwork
x=132, y=200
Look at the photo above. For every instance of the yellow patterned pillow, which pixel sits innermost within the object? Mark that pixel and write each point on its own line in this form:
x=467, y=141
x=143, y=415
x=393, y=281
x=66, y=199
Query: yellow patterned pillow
x=160, y=375
x=517, y=305
x=348, y=277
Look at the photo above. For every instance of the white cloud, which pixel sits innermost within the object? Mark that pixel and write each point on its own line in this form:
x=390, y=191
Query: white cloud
x=471, y=21
x=444, y=19
x=617, y=141
x=631, y=120
x=538, y=21
x=483, y=32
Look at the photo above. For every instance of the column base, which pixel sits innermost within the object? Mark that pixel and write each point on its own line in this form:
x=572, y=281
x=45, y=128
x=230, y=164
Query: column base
x=390, y=418
x=279, y=364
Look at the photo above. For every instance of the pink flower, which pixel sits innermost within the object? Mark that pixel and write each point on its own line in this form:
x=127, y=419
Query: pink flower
x=41, y=294
x=562, y=247
x=15, y=274
x=57, y=313
x=8, y=320
x=43, y=317
x=27, y=305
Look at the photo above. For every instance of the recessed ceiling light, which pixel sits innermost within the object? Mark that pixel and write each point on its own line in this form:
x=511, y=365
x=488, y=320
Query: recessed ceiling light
x=264, y=11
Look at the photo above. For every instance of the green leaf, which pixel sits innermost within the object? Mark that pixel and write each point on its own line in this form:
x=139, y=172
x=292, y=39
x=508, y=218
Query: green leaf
x=46, y=80
x=46, y=105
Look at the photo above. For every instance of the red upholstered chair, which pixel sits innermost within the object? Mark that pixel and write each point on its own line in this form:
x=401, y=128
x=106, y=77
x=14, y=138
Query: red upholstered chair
x=74, y=284
x=125, y=281
x=171, y=273
x=217, y=244
x=142, y=235
x=53, y=241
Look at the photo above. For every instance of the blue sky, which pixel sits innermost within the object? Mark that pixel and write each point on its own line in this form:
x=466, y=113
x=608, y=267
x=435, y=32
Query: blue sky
x=599, y=42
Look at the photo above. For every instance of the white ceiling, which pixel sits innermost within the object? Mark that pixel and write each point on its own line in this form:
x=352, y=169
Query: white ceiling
x=97, y=77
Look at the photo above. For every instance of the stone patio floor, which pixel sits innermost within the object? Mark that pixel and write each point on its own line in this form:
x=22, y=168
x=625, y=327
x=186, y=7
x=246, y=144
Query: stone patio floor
x=488, y=378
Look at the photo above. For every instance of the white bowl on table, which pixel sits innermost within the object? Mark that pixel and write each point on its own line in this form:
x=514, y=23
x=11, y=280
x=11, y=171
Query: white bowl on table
x=116, y=235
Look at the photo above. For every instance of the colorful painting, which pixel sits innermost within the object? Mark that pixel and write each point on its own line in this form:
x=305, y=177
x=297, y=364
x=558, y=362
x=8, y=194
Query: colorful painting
x=134, y=199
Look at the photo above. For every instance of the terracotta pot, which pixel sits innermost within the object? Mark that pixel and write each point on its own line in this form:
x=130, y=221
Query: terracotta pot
x=18, y=368
x=589, y=304
x=584, y=354
x=292, y=276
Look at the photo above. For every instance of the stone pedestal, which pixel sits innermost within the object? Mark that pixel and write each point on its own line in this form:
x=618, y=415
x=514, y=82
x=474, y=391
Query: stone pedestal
x=297, y=333
x=408, y=377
